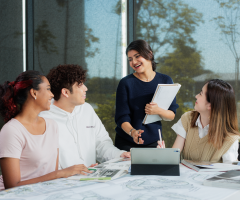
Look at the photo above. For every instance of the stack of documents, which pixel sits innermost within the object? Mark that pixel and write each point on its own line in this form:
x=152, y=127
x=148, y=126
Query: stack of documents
x=201, y=166
x=105, y=171
x=230, y=179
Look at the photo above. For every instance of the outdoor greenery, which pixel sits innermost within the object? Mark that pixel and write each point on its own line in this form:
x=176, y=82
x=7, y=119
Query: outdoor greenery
x=167, y=25
x=229, y=25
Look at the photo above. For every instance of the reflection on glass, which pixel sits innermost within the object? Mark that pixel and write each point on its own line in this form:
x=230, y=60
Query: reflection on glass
x=58, y=33
x=193, y=41
x=87, y=33
x=11, y=41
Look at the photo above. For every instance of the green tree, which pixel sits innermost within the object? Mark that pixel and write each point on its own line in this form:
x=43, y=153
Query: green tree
x=160, y=22
x=229, y=25
x=168, y=25
x=44, y=39
x=181, y=65
x=100, y=89
x=89, y=37
x=106, y=112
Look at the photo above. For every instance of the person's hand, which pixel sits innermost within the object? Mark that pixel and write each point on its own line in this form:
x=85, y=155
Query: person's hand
x=93, y=165
x=161, y=144
x=73, y=170
x=137, y=134
x=152, y=109
x=126, y=155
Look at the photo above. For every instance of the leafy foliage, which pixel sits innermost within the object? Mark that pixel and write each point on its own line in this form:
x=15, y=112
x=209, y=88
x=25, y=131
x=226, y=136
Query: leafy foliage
x=44, y=39
x=160, y=22
x=229, y=25
x=181, y=65
x=168, y=25
x=106, y=112
x=89, y=39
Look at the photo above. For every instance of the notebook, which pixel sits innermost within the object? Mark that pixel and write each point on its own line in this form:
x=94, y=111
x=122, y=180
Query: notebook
x=163, y=96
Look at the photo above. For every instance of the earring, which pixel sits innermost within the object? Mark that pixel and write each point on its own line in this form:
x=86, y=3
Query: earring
x=35, y=98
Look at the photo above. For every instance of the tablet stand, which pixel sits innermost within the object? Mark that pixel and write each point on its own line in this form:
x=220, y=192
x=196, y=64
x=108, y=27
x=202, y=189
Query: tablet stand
x=155, y=169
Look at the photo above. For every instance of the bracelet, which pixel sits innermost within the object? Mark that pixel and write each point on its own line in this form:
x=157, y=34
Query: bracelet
x=130, y=132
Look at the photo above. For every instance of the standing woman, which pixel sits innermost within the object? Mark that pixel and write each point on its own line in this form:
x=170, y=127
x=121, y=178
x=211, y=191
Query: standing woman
x=133, y=100
x=29, y=143
x=210, y=132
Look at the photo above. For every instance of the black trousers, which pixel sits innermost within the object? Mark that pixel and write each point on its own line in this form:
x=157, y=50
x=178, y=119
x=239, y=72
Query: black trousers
x=123, y=144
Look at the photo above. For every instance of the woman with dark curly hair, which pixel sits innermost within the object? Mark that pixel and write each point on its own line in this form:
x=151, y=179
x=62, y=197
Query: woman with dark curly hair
x=29, y=143
x=133, y=100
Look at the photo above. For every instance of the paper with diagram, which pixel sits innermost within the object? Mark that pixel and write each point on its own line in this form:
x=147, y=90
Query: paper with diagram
x=105, y=172
x=188, y=186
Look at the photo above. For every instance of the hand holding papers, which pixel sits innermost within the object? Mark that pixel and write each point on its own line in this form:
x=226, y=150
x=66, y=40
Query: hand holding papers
x=163, y=96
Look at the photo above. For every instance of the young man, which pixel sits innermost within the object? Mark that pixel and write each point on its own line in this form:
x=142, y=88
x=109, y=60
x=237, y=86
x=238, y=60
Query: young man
x=82, y=137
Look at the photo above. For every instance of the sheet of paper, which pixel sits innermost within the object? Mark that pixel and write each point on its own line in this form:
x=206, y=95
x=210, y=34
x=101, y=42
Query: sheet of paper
x=221, y=166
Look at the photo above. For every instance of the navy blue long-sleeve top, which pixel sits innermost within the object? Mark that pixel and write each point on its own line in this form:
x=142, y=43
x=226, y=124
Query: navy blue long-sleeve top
x=131, y=99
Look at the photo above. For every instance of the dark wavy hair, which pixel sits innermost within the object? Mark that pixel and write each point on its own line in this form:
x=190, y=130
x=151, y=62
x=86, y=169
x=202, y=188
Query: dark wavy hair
x=14, y=94
x=223, y=117
x=143, y=48
x=64, y=76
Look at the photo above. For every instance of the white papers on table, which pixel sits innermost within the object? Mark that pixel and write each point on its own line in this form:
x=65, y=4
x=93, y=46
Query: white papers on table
x=105, y=172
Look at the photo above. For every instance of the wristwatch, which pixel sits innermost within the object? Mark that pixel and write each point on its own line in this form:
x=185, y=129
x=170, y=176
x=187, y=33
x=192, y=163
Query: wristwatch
x=130, y=132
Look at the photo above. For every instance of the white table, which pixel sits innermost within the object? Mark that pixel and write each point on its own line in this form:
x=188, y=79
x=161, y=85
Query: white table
x=188, y=186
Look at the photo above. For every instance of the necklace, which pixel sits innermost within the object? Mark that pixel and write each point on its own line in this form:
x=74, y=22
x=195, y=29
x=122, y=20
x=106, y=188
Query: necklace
x=146, y=79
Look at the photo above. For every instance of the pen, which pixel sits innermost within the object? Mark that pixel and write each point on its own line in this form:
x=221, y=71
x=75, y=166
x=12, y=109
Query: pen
x=159, y=131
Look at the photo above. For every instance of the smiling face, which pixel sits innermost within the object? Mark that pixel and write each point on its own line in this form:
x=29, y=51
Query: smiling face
x=78, y=94
x=202, y=105
x=138, y=63
x=44, y=94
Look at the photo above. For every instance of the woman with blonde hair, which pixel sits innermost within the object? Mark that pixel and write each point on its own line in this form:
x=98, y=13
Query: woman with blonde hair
x=210, y=132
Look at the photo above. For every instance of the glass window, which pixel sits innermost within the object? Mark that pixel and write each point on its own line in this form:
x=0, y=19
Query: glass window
x=87, y=33
x=11, y=41
x=193, y=41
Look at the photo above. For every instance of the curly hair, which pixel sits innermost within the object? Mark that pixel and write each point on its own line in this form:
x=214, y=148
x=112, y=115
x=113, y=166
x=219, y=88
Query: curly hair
x=64, y=76
x=14, y=94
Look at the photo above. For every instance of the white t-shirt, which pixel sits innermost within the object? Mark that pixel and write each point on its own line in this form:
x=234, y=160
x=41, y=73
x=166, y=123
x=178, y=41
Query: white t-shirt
x=230, y=156
x=37, y=153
